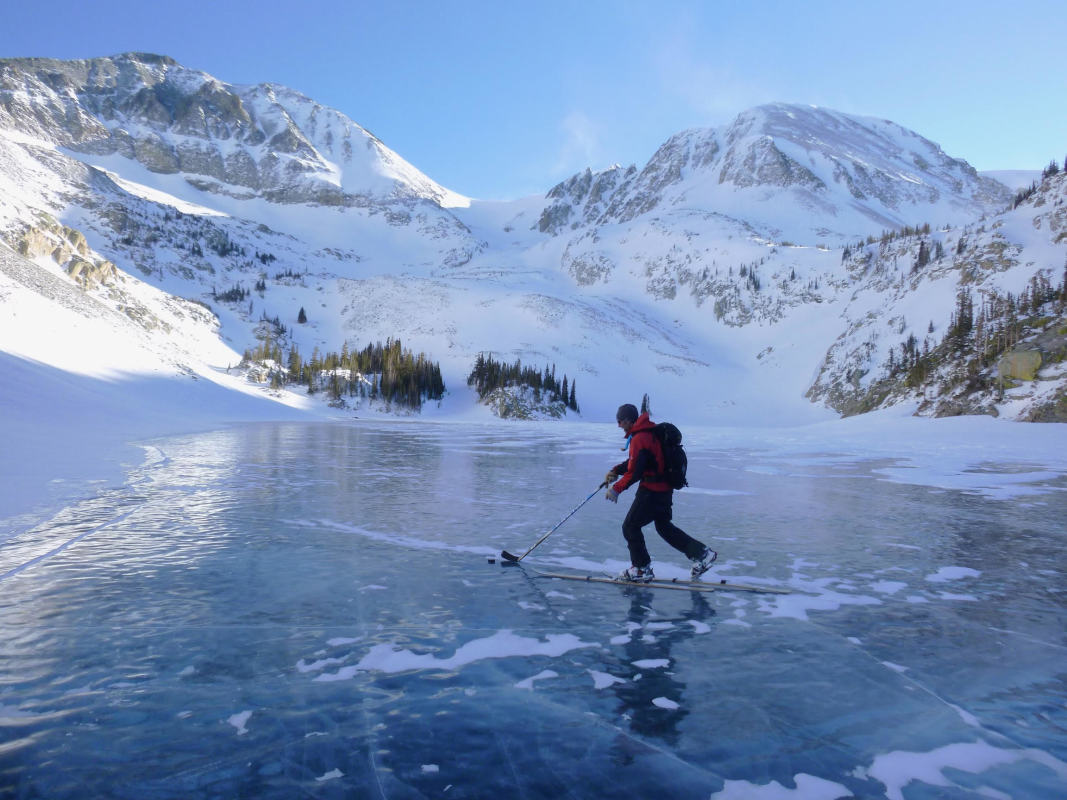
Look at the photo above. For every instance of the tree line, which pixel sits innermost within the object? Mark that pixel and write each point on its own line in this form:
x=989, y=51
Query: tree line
x=489, y=375
x=1050, y=171
x=387, y=372
x=978, y=335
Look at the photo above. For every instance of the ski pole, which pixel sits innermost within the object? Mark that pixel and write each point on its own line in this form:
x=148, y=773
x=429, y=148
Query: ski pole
x=509, y=557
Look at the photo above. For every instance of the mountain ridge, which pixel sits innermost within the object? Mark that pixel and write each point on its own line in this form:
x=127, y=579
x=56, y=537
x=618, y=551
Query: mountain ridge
x=274, y=135
x=714, y=275
x=759, y=149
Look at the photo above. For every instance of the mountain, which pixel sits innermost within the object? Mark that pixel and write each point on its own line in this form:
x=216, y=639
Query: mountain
x=247, y=141
x=741, y=275
x=787, y=170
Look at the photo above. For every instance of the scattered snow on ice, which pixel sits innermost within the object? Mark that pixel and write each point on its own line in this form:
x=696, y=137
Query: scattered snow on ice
x=544, y=674
x=952, y=574
x=331, y=775
x=888, y=587
x=664, y=702
x=897, y=769
x=602, y=680
x=502, y=644
x=652, y=663
x=239, y=721
x=808, y=787
x=315, y=666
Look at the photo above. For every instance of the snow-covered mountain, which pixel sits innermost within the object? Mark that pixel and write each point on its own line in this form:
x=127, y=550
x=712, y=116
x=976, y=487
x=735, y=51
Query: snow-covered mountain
x=801, y=172
x=712, y=278
x=248, y=141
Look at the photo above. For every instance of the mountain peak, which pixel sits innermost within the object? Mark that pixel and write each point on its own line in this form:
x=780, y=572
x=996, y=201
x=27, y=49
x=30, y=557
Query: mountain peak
x=856, y=175
x=266, y=140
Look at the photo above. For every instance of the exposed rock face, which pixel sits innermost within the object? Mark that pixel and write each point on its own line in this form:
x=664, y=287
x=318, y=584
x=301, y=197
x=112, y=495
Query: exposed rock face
x=267, y=139
x=582, y=199
x=68, y=248
x=1054, y=410
x=1019, y=365
x=89, y=274
x=820, y=158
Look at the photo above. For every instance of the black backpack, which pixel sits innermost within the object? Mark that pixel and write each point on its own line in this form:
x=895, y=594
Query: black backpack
x=674, y=459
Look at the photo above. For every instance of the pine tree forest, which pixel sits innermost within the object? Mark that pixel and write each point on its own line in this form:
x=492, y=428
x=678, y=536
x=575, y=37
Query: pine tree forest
x=489, y=374
x=978, y=335
x=388, y=372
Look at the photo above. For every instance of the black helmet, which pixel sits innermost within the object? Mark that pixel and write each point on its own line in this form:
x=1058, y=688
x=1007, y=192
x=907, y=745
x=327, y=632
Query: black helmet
x=628, y=412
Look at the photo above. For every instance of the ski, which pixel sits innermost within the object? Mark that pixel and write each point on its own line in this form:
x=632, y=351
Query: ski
x=679, y=585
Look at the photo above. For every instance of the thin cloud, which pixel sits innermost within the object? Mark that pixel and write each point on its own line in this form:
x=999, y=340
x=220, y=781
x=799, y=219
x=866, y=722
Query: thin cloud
x=712, y=92
x=699, y=75
x=581, y=144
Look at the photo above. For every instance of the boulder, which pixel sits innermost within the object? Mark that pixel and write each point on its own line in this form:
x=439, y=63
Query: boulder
x=1019, y=365
x=88, y=274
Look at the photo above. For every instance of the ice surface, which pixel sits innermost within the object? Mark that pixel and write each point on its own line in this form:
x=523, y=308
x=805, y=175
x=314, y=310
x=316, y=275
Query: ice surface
x=287, y=610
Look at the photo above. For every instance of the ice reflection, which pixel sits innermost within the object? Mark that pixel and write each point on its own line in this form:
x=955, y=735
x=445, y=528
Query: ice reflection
x=307, y=610
x=652, y=696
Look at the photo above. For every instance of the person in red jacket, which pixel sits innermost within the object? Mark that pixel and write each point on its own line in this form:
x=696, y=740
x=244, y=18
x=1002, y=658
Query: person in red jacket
x=653, y=502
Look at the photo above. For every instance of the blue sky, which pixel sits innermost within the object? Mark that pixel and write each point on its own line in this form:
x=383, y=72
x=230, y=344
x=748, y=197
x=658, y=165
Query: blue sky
x=501, y=99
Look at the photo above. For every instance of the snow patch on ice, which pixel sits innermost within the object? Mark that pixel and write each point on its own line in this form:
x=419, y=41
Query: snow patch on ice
x=315, y=666
x=239, y=721
x=342, y=640
x=899, y=768
x=967, y=598
x=602, y=680
x=813, y=595
x=739, y=623
x=544, y=674
x=952, y=574
x=665, y=702
x=503, y=644
x=652, y=663
x=888, y=587
x=808, y=787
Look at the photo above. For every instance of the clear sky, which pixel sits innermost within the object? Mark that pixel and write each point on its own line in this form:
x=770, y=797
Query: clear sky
x=497, y=99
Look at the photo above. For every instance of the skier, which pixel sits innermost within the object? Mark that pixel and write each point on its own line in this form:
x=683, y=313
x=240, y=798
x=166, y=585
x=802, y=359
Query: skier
x=653, y=500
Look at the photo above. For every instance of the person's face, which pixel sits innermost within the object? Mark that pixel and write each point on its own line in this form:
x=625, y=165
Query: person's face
x=626, y=424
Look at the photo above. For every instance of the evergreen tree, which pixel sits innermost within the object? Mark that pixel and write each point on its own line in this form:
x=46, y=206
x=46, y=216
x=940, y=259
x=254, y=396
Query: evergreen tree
x=302, y=317
x=295, y=364
x=924, y=256
x=488, y=375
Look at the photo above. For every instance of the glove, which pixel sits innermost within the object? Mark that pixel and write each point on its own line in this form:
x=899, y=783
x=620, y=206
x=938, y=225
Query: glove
x=612, y=495
x=611, y=477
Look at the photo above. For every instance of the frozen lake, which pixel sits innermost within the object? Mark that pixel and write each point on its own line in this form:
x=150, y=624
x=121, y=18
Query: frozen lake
x=307, y=610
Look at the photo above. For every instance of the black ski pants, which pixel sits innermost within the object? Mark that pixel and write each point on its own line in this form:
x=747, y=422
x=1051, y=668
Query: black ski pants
x=655, y=507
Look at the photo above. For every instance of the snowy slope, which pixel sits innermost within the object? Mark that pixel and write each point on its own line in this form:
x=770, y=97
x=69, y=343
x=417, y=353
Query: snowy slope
x=712, y=278
x=788, y=171
x=265, y=140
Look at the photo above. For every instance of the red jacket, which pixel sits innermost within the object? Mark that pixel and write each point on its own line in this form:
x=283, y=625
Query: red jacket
x=645, y=462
